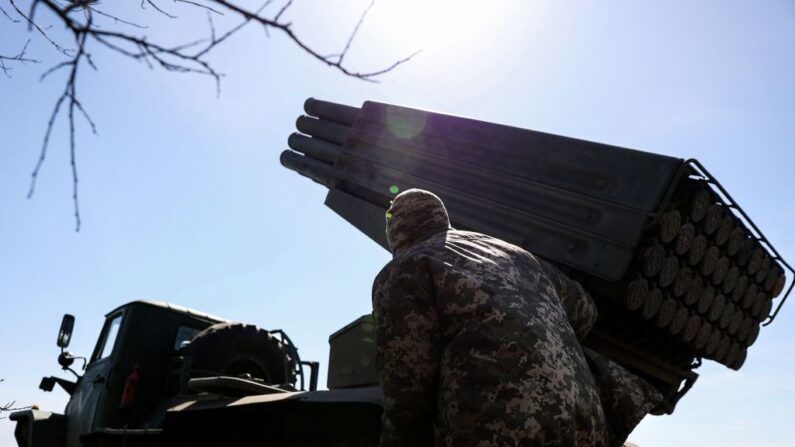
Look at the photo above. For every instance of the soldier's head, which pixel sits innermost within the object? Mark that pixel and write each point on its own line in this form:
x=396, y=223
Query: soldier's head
x=415, y=215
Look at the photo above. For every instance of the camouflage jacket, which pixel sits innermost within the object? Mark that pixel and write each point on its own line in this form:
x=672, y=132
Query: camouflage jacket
x=477, y=341
x=625, y=397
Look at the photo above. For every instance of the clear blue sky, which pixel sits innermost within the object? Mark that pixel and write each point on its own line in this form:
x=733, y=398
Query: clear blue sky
x=183, y=197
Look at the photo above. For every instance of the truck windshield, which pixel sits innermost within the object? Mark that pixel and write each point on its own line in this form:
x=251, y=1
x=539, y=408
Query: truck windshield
x=184, y=335
x=109, y=338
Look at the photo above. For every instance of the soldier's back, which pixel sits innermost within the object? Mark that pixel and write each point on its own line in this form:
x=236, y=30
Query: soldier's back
x=512, y=371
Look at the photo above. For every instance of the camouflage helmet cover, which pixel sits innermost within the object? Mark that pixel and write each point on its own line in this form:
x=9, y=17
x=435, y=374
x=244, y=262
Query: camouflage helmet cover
x=414, y=216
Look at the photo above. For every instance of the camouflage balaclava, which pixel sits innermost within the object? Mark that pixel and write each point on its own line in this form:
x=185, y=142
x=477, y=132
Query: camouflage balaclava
x=414, y=216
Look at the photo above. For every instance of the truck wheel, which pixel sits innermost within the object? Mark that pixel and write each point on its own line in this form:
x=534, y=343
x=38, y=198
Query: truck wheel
x=238, y=349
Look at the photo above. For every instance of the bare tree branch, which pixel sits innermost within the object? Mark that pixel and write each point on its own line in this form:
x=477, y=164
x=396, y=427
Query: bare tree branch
x=355, y=30
x=282, y=11
x=157, y=8
x=9, y=406
x=32, y=24
x=118, y=20
x=3, y=11
x=200, y=6
x=80, y=19
x=18, y=58
x=287, y=29
x=215, y=42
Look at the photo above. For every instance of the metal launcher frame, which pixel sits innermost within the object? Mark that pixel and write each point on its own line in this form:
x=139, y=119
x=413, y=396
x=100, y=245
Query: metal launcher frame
x=678, y=270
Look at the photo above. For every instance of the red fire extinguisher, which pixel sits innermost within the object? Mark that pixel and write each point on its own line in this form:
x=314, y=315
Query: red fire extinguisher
x=130, y=388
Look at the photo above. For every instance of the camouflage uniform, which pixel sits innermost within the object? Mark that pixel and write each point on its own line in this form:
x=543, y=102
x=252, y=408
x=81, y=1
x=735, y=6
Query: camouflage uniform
x=625, y=397
x=477, y=340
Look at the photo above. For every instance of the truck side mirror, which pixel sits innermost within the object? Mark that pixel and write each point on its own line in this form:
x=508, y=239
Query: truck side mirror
x=65, y=334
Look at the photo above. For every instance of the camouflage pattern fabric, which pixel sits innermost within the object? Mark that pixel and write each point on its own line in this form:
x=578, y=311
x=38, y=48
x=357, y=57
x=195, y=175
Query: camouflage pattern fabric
x=414, y=215
x=625, y=397
x=477, y=340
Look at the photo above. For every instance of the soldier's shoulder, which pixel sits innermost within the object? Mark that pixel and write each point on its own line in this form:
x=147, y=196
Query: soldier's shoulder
x=405, y=264
x=489, y=240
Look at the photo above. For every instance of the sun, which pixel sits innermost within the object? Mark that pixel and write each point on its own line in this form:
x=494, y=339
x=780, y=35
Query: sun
x=438, y=26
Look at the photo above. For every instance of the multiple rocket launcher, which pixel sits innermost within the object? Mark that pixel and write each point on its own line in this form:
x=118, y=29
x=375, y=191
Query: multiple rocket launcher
x=677, y=268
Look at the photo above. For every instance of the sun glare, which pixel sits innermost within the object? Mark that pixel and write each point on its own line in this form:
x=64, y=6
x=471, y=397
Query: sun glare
x=440, y=25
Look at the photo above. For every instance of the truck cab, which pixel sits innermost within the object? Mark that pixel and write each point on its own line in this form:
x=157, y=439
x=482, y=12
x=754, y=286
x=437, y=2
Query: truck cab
x=127, y=381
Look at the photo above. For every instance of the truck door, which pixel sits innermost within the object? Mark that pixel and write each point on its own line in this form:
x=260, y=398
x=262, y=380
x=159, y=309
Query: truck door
x=81, y=409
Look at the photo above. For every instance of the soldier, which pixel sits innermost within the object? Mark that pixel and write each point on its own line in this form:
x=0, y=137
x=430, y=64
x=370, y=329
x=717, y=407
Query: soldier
x=477, y=343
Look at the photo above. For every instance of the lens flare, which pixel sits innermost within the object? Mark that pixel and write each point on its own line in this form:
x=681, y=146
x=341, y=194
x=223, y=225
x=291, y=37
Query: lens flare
x=403, y=124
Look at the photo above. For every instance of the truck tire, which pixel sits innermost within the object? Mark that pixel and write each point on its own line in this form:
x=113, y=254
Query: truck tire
x=237, y=349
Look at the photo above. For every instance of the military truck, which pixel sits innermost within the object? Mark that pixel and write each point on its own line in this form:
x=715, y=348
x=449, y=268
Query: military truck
x=679, y=272
x=225, y=383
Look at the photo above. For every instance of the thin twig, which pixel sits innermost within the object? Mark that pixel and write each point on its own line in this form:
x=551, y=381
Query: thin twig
x=286, y=28
x=73, y=162
x=9, y=406
x=43, y=153
x=3, y=11
x=118, y=20
x=18, y=58
x=212, y=27
x=282, y=11
x=157, y=8
x=200, y=6
x=33, y=24
x=355, y=30
x=54, y=68
x=215, y=42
